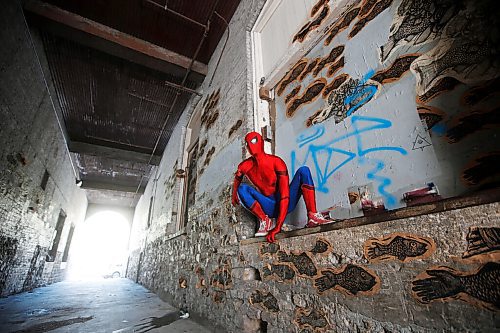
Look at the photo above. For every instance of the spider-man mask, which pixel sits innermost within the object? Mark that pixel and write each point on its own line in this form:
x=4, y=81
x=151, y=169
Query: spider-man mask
x=255, y=143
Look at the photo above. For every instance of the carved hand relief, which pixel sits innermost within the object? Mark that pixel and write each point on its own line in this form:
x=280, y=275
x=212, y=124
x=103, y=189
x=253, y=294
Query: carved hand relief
x=322, y=246
x=352, y=280
x=483, y=242
x=401, y=246
x=265, y=300
x=278, y=272
x=302, y=263
x=311, y=319
x=480, y=288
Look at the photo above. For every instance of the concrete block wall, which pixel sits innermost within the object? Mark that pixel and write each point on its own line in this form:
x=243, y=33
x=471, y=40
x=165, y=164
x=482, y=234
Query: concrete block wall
x=31, y=143
x=319, y=282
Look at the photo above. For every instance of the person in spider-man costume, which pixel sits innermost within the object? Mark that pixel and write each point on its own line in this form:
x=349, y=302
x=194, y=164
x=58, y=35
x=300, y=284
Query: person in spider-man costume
x=272, y=196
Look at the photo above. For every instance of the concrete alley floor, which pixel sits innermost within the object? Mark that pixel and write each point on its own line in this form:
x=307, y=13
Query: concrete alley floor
x=107, y=306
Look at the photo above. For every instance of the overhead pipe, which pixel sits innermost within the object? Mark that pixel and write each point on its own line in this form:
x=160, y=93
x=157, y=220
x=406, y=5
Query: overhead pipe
x=171, y=11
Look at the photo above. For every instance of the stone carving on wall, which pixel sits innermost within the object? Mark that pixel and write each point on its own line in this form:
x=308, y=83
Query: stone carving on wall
x=201, y=284
x=352, y=280
x=336, y=82
x=291, y=76
x=322, y=246
x=311, y=319
x=278, y=272
x=312, y=65
x=417, y=22
x=472, y=122
x=342, y=102
x=221, y=278
x=218, y=296
x=377, y=9
x=292, y=94
x=210, y=112
x=396, y=70
x=265, y=300
x=235, y=127
x=268, y=249
x=430, y=115
x=467, y=49
x=401, y=246
x=480, y=93
x=312, y=92
x=483, y=170
x=482, y=241
x=443, y=85
x=311, y=25
x=331, y=58
x=480, y=288
x=341, y=24
x=302, y=263
x=317, y=6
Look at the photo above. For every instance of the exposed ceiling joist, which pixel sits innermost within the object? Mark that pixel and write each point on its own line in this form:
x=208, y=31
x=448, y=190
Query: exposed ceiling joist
x=114, y=36
x=106, y=185
x=112, y=153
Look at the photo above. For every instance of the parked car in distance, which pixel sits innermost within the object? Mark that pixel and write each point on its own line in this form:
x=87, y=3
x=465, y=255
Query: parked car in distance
x=113, y=271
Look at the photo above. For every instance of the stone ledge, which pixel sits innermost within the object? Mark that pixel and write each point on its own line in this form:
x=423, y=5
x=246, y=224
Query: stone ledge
x=475, y=199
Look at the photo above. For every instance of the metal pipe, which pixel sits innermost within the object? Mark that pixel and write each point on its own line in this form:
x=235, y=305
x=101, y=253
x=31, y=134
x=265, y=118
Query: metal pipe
x=171, y=11
x=223, y=47
x=183, y=88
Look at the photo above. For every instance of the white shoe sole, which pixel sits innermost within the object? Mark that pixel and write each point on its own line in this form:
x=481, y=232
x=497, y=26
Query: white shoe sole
x=260, y=234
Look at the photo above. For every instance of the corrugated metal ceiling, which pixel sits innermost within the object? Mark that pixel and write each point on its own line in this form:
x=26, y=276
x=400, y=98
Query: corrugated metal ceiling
x=108, y=101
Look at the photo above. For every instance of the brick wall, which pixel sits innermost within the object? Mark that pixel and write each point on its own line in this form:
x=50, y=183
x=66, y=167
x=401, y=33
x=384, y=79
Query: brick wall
x=31, y=143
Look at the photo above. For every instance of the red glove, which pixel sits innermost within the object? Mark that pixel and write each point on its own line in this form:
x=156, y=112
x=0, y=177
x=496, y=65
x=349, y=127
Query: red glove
x=272, y=234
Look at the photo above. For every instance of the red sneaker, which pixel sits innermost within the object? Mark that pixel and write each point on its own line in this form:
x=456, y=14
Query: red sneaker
x=316, y=219
x=265, y=225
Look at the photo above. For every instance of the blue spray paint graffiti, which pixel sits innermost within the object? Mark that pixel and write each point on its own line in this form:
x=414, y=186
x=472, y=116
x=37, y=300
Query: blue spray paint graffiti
x=325, y=166
x=362, y=94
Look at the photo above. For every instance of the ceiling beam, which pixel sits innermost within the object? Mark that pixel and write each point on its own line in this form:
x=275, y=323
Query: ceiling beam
x=105, y=185
x=113, y=153
x=114, y=36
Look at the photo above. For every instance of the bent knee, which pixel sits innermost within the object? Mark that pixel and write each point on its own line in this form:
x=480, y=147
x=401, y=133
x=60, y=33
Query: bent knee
x=304, y=170
x=243, y=189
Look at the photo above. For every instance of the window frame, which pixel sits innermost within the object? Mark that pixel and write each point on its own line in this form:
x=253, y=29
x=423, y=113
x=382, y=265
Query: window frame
x=191, y=137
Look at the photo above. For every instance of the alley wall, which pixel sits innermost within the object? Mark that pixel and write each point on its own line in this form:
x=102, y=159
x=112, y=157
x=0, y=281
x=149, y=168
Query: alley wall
x=37, y=183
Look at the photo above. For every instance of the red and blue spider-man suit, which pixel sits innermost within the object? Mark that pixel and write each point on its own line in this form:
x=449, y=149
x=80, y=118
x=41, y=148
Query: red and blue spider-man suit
x=273, y=196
